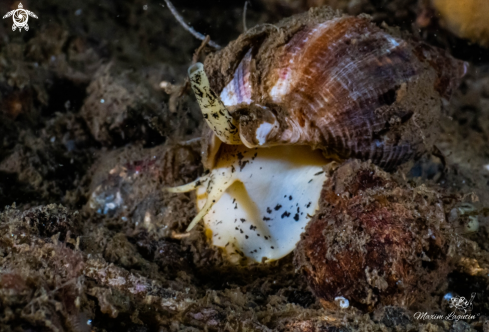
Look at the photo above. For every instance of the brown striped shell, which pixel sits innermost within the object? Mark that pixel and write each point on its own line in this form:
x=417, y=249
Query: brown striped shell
x=338, y=83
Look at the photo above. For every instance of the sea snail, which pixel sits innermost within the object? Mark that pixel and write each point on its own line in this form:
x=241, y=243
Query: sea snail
x=283, y=101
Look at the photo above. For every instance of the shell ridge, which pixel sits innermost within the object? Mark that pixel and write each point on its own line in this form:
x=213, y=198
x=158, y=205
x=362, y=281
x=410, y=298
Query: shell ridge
x=344, y=71
x=336, y=84
x=239, y=89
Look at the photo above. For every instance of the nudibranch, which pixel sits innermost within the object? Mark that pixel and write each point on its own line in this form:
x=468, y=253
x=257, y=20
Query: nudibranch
x=284, y=101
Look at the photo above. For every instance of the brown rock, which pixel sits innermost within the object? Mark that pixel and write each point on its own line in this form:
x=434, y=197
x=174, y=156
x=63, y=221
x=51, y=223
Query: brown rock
x=374, y=240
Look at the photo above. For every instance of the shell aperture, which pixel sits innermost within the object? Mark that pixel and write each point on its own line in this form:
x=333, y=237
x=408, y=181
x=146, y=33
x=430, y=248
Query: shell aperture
x=255, y=202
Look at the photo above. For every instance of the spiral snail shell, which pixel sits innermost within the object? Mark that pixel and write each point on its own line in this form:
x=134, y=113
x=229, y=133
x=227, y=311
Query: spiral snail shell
x=289, y=98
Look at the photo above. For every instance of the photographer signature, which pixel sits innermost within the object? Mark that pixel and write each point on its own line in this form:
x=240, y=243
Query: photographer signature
x=461, y=303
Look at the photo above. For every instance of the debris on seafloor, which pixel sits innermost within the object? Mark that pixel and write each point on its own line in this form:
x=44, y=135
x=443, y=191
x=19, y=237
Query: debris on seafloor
x=116, y=102
x=126, y=184
x=376, y=240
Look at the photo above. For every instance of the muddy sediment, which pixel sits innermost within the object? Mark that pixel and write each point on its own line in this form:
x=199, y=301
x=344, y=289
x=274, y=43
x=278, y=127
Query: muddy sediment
x=90, y=242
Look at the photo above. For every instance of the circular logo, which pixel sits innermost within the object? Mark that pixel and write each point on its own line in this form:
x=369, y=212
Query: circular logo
x=20, y=17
